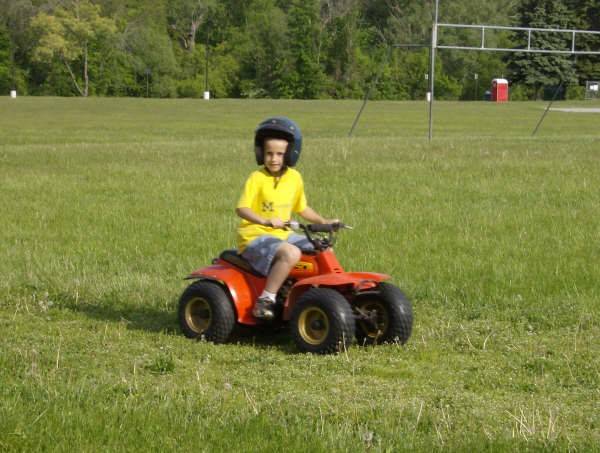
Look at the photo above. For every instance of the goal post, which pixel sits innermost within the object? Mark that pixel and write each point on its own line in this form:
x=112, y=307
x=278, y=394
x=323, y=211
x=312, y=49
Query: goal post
x=572, y=47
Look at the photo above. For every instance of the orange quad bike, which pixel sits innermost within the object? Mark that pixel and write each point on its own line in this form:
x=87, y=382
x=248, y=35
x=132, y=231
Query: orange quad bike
x=325, y=306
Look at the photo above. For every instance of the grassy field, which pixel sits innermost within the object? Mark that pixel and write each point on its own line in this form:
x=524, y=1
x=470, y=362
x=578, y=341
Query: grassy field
x=106, y=204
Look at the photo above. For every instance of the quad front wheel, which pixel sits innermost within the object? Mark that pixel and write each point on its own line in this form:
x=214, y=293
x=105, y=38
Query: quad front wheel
x=206, y=312
x=383, y=316
x=322, y=322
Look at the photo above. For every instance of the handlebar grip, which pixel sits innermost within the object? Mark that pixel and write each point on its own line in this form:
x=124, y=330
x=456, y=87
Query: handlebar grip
x=324, y=227
x=319, y=228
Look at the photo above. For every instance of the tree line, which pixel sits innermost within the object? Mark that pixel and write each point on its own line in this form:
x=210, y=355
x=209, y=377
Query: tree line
x=304, y=49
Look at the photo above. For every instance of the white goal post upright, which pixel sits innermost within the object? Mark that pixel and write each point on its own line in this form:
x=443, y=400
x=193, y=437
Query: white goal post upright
x=430, y=97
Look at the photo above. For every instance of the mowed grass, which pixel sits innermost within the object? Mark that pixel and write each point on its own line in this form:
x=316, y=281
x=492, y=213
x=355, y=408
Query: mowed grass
x=106, y=204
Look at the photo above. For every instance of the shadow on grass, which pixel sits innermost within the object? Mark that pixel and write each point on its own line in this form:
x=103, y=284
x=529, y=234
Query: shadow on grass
x=149, y=319
x=264, y=337
x=135, y=317
x=114, y=308
x=157, y=320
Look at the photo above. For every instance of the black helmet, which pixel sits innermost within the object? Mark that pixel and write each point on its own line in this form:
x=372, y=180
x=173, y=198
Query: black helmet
x=279, y=127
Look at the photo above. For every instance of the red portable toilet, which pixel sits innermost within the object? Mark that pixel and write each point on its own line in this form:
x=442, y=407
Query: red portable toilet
x=499, y=90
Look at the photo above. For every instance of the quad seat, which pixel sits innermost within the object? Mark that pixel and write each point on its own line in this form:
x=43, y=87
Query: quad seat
x=233, y=257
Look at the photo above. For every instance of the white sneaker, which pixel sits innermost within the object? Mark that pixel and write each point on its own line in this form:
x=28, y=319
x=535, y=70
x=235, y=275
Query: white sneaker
x=263, y=309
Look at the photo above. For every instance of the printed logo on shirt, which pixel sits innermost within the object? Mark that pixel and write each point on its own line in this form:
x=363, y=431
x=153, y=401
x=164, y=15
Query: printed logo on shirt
x=267, y=206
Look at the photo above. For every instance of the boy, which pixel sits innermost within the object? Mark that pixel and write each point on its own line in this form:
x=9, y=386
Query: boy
x=270, y=196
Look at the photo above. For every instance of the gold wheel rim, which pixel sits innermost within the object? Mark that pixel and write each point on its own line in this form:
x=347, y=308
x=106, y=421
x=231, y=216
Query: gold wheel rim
x=382, y=320
x=198, y=314
x=313, y=325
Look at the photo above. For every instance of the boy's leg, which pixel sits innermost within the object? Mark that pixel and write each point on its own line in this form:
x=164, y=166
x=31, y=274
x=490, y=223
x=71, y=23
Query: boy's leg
x=285, y=259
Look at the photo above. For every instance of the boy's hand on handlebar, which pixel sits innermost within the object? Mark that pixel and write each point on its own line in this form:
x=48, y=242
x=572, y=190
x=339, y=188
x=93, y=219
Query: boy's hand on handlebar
x=292, y=225
x=276, y=223
x=336, y=224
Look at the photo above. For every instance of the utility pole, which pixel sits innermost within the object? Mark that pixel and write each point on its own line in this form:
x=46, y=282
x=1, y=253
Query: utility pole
x=148, y=71
x=206, y=91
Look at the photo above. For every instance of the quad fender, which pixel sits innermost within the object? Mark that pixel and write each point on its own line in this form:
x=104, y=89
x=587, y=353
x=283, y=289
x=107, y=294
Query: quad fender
x=343, y=282
x=242, y=288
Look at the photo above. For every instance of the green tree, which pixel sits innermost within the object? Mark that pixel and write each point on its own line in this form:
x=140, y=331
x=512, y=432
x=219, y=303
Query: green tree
x=142, y=63
x=409, y=22
x=262, y=50
x=69, y=35
x=537, y=70
x=306, y=78
x=151, y=56
x=331, y=11
x=16, y=15
x=185, y=17
x=588, y=18
x=347, y=64
x=6, y=66
x=223, y=74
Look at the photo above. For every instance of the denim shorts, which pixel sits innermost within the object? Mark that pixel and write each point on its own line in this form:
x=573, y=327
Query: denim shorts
x=261, y=251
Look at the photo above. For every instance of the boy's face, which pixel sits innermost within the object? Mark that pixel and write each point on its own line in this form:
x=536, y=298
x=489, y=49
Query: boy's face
x=274, y=149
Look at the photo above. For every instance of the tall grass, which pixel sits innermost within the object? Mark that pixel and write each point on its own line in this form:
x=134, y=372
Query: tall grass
x=108, y=203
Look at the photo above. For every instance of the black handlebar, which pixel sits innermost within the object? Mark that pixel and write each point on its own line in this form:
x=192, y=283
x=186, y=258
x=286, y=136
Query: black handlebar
x=325, y=227
x=319, y=243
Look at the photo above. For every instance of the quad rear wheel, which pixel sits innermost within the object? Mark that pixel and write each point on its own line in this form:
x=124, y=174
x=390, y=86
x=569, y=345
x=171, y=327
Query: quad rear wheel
x=206, y=312
x=383, y=316
x=322, y=322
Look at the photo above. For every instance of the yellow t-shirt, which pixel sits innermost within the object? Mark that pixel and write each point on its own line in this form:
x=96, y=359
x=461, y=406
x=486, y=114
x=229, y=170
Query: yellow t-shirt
x=270, y=197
